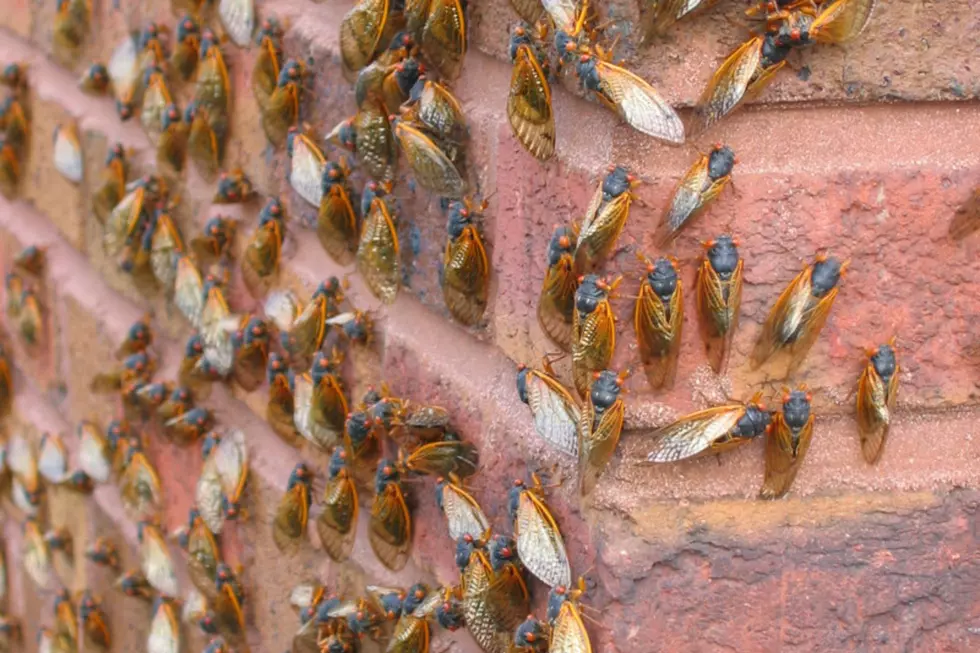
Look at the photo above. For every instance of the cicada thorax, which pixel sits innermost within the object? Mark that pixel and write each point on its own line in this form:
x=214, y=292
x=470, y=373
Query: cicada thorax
x=658, y=319
x=71, y=26
x=112, y=185
x=260, y=261
x=787, y=443
x=282, y=109
x=379, y=253
x=604, y=219
x=593, y=330
x=336, y=219
x=438, y=114
x=466, y=268
x=699, y=187
x=361, y=31
x=292, y=515
x=600, y=425
x=373, y=141
x=432, y=168
x=337, y=524
x=390, y=526
x=529, y=107
x=877, y=389
x=710, y=431
x=719, y=299
x=443, y=39
x=795, y=321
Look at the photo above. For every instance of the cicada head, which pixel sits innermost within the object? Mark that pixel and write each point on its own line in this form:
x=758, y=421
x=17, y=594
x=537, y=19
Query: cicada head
x=560, y=594
x=95, y=80
x=605, y=390
x=826, y=273
x=273, y=210
x=233, y=188
x=796, y=408
x=722, y=255
x=460, y=217
x=14, y=75
x=592, y=291
x=532, y=635
x=333, y=174
x=414, y=597
x=103, y=552
x=449, y=613
x=292, y=74
x=503, y=551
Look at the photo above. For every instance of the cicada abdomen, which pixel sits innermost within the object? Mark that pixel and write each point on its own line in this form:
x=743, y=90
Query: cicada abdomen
x=719, y=299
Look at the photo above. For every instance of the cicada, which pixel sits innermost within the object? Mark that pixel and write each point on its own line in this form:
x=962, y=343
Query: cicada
x=65, y=621
x=600, y=425
x=532, y=636
x=15, y=126
x=593, y=330
x=289, y=523
x=378, y=253
x=124, y=73
x=337, y=524
x=398, y=82
x=134, y=585
x=967, y=217
x=604, y=219
x=697, y=189
x=741, y=78
x=260, y=261
x=431, y=167
x=178, y=403
x=329, y=405
x=539, y=542
x=529, y=110
x=251, y=344
x=135, y=370
x=444, y=457
x=103, y=552
x=95, y=79
x=487, y=623
x=164, y=635
x=710, y=431
x=463, y=514
x=35, y=555
x=156, y=99
x=52, y=458
x=212, y=90
x=206, y=136
x=568, y=631
x=233, y=188
x=215, y=242
x=632, y=98
x=719, y=298
x=10, y=166
x=139, y=486
x=112, y=186
x=172, y=141
x=123, y=224
x=787, y=443
x=94, y=622
x=466, y=270
x=374, y=143
x=67, y=154
x=360, y=34
x=437, y=113
x=357, y=326
x=138, y=338
x=837, y=22
x=152, y=46
x=71, y=25
x=184, y=57
x=336, y=225
x=443, y=38
x=659, y=16
x=155, y=561
x=795, y=321
x=306, y=333
x=876, y=393
x=282, y=109
x=390, y=527
x=343, y=135
x=166, y=248
x=555, y=411
x=658, y=319
x=279, y=411
x=268, y=61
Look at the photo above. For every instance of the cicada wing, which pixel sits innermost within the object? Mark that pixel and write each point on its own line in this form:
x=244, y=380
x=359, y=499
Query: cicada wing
x=238, y=19
x=390, y=528
x=539, y=542
x=306, y=334
x=337, y=524
x=530, y=11
x=783, y=460
x=687, y=200
x=337, y=225
x=874, y=402
x=306, y=169
x=209, y=496
x=639, y=104
x=289, y=523
x=727, y=87
x=265, y=72
x=557, y=302
x=842, y=20
x=810, y=327
x=658, y=333
x=465, y=277
x=444, y=36
x=784, y=319
x=568, y=633
x=156, y=563
x=374, y=142
x=463, y=514
x=261, y=259
x=598, y=441
x=432, y=168
x=378, y=254
x=202, y=559
x=507, y=598
x=476, y=581
x=719, y=302
x=600, y=230
x=360, y=34
x=555, y=411
x=563, y=13
x=693, y=434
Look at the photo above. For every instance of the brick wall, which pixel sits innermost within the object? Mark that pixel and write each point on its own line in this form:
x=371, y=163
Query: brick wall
x=868, y=158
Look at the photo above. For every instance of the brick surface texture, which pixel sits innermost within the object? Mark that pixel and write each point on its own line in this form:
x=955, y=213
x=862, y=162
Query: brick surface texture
x=868, y=158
